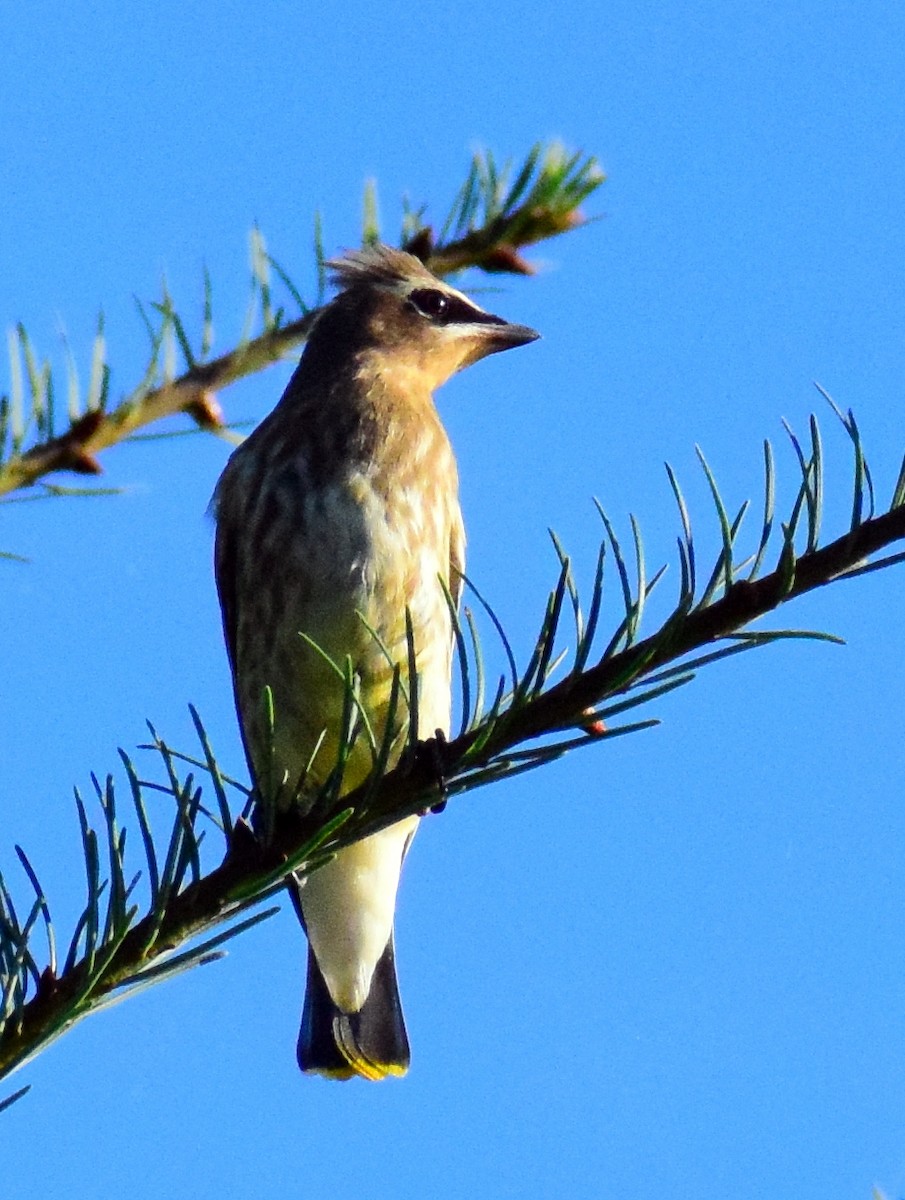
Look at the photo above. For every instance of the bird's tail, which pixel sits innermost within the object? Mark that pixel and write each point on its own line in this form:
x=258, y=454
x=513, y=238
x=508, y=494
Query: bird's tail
x=371, y=1042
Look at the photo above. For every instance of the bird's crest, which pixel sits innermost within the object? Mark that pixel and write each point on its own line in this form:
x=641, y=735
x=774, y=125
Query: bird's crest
x=379, y=265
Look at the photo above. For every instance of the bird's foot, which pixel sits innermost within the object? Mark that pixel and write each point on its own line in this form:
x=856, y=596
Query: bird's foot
x=244, y=841
x=427, y=757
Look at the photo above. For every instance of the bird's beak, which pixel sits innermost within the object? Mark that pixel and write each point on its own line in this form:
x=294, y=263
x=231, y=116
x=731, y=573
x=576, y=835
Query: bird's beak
x=508, y=335
x=496, y=336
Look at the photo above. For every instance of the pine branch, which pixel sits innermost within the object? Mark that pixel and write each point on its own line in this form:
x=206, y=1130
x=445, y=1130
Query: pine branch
x=531, y=721
x=490, y=221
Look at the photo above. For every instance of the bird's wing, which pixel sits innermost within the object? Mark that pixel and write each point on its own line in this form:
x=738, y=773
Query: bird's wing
x=225, y=571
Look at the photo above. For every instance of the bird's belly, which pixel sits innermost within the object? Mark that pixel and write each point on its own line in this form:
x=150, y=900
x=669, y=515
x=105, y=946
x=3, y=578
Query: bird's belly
x=347, y=585
x=372, y=568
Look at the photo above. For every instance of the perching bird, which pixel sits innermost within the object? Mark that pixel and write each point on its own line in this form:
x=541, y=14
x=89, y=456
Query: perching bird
x=339, y=513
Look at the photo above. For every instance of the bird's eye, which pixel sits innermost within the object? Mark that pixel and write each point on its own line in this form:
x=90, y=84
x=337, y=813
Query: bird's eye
x=430, y=303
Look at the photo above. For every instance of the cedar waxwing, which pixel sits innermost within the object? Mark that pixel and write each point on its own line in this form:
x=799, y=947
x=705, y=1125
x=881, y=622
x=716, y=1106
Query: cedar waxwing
x=336, y=516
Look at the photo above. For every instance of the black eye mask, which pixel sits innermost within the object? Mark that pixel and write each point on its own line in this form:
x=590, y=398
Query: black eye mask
x=443, y=309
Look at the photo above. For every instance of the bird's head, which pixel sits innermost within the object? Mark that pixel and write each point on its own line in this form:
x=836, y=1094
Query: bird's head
x=395, y=314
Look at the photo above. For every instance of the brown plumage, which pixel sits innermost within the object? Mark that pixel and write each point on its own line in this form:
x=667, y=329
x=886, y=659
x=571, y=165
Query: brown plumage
x=339, y=513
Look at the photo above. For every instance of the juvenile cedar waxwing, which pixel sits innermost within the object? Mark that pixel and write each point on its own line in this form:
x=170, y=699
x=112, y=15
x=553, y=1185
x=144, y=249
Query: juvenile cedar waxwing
x=339, y=513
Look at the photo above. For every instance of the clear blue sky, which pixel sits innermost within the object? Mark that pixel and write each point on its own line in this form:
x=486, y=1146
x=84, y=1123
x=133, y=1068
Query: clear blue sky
x=669, y=967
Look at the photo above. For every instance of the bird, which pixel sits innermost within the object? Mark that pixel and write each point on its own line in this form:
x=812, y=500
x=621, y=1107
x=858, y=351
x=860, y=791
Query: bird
x=338, y=528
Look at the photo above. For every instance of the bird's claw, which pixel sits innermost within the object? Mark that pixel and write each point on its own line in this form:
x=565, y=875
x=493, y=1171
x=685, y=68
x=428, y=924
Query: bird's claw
x=427, y=757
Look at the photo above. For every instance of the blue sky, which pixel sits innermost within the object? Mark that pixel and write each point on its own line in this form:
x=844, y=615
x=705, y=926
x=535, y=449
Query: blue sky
x=669, y=966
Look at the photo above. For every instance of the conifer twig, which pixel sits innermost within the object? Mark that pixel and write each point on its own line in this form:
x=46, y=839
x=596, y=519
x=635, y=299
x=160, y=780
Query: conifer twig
x=489, y=223
x=120, y=945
